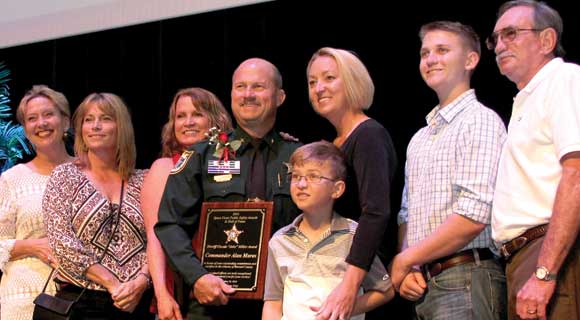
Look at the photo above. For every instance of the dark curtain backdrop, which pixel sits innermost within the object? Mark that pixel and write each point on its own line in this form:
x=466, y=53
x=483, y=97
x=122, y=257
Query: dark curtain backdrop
x=146, y=64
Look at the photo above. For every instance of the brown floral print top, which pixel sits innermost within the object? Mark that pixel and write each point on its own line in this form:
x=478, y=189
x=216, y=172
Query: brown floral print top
x=80, y=220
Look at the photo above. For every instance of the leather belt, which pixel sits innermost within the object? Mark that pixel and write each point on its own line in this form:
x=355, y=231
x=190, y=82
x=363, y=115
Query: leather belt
x=434, y=268
x=511, y=247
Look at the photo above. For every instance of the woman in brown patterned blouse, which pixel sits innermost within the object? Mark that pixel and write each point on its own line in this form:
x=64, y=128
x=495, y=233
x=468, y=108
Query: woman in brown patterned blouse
x=81, y=205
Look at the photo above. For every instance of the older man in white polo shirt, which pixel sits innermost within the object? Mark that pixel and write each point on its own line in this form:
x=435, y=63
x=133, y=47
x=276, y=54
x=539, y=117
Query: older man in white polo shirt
x=536, y=207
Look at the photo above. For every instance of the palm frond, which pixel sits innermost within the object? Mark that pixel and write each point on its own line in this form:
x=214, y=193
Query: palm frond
x=5, y=110
x=13, y=143
x=4, y=92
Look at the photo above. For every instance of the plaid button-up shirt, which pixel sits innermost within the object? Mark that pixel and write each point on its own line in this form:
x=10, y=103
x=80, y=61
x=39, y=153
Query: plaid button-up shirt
x=451, y=168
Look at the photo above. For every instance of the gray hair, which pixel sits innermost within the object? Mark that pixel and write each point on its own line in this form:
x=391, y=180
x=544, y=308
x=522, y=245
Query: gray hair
x=544, y=17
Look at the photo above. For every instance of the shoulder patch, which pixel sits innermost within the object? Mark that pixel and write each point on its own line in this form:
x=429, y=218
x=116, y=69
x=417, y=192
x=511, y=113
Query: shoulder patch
x=185, y=156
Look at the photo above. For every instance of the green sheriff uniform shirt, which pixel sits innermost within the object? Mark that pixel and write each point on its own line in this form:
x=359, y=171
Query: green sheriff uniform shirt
x=190, y=184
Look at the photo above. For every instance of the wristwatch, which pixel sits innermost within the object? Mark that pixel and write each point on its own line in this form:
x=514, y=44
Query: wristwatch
x=147, y=277
x=542, y=273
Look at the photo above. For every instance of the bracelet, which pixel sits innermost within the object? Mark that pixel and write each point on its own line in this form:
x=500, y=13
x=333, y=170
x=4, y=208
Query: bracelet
x=147, y=277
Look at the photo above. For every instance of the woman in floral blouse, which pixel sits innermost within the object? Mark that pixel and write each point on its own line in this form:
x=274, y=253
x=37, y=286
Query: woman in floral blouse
x=81, y=209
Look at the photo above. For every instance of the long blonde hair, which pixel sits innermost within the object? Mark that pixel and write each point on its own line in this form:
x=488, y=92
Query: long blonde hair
x=113, y=106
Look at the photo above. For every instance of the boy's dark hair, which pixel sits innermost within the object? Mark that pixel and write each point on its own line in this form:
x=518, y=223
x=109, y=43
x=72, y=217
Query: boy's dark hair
x=321, y=151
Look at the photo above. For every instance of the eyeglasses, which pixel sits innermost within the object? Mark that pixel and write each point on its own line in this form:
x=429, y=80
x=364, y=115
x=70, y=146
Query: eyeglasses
x=310, y=178
x=506, y=35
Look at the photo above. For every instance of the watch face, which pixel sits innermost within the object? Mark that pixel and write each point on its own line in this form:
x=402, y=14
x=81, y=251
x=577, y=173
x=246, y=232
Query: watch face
x=541, y=273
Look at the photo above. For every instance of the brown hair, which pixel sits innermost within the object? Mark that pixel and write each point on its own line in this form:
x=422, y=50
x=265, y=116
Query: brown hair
x=465, y=32
x=321, y=151
x=204, y=101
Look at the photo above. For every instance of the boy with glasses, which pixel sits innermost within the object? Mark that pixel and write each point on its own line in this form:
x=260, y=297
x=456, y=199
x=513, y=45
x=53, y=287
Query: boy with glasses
x=537, y=200
x=306, y=259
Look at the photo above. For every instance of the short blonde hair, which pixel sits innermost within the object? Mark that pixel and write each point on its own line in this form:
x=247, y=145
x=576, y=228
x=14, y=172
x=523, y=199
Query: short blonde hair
x=113, y=106
x=204, y=101
x=58, y=100
x=359, y=85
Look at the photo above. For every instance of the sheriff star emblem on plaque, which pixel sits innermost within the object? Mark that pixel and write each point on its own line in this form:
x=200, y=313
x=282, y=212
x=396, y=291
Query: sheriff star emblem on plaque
x=233, y=234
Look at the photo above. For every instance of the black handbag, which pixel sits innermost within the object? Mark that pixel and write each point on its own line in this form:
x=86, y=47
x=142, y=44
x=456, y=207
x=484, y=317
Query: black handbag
x=47, y=307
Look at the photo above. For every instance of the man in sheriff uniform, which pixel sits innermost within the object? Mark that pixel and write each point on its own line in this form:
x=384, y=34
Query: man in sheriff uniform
x=256, y=94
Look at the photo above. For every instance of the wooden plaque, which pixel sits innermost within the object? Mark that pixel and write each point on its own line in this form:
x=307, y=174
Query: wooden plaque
x=232, y=243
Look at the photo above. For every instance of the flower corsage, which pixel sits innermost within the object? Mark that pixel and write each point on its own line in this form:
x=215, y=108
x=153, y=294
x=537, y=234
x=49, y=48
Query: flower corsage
x=224, y=149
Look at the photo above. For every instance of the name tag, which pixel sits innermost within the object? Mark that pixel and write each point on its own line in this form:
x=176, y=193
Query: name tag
x=223, y=167
x=222, y=177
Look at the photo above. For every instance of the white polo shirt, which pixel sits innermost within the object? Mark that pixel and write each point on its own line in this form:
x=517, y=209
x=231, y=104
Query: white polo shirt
x=544, y=126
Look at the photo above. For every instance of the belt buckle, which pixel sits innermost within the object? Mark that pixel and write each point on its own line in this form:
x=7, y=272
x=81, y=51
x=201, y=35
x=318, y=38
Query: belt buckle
x=504, y=251
x=431, y=270
x=519, y=242
x=435, y=269
x=516, y=244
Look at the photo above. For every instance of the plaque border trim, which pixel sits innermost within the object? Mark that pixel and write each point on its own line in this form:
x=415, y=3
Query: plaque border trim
x=266, y=208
